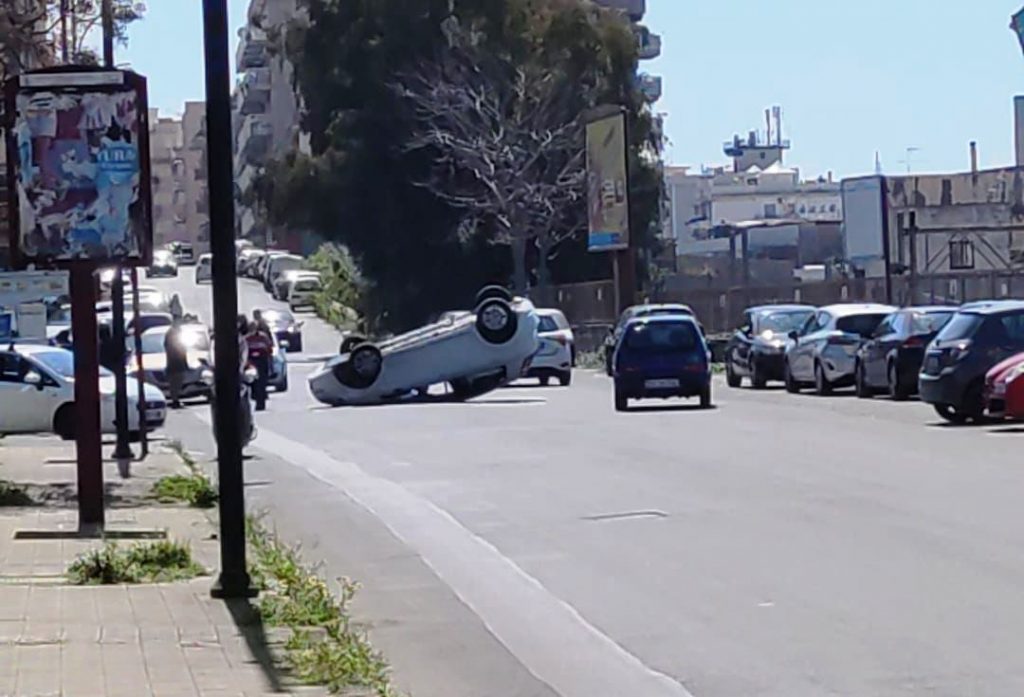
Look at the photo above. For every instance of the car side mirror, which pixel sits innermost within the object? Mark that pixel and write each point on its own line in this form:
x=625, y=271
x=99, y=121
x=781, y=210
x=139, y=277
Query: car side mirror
x=34, y=379
x=301, y=324
x=794, y=335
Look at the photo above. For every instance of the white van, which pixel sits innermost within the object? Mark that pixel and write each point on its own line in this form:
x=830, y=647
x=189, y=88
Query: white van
x=278, y=265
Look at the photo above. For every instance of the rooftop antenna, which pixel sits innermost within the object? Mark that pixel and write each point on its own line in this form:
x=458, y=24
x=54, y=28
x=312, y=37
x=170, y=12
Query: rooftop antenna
x=878, y=163
x=777, y=113
x=768, y=122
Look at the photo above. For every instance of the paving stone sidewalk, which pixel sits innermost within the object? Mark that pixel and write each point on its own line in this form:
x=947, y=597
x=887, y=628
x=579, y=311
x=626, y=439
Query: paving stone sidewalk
x=169, y=639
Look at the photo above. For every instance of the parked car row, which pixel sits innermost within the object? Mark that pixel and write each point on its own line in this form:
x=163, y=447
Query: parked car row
x=281, y=273
x=962, y=360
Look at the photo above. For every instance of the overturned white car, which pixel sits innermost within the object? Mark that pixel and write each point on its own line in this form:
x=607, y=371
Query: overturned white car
x=474, y=353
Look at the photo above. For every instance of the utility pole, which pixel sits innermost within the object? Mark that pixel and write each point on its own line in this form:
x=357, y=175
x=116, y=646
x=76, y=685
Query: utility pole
x=64, y=31
x=234, y=577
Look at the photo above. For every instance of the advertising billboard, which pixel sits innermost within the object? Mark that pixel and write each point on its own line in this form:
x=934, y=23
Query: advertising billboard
x=78, y=166
x=607, y=183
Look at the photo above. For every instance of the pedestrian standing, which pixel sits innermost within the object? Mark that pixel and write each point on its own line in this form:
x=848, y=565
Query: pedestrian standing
x=176, y=363
x=175, y=308
x=259, y=345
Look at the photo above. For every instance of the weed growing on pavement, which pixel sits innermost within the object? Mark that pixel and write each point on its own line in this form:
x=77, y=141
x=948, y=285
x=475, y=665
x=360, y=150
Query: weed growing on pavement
x=152, y=562
x=14, y=495
x=324, y=647
x=194, y=489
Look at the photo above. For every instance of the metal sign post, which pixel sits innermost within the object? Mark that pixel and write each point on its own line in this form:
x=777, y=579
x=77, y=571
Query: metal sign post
x=79, y=186
x=234, y=577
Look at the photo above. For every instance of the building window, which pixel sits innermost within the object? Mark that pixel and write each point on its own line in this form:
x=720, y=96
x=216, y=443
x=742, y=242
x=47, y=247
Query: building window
x=961, y=254
x=813, y=209
x=770, y=211
x=831, y=208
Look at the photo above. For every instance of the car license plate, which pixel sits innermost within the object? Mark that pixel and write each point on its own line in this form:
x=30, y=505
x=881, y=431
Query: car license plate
x=664, y=383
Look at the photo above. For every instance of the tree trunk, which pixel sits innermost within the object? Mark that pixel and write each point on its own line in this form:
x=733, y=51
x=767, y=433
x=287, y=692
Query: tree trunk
x=519, y=282
x=543, y=273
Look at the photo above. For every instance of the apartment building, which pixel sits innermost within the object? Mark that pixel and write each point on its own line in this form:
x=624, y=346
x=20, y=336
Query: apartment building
x=177, y=152
x=266, y=117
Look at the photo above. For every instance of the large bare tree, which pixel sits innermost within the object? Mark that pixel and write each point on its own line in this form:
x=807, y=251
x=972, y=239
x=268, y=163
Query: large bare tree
x=506, y=146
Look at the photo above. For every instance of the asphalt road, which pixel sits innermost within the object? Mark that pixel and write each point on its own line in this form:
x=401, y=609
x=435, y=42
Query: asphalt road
x=535, y=542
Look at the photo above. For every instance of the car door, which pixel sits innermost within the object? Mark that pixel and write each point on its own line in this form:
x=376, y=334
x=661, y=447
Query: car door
x=816, y=340
x=742, y=341
x=26, y=404
x=801, y=362
x=874, y=351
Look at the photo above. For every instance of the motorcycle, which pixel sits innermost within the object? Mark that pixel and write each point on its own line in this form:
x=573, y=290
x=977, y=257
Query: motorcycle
x=246, y=423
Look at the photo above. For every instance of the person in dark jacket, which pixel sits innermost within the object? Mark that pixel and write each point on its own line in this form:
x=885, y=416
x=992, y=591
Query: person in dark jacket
x=177, y=362
x=260, y=346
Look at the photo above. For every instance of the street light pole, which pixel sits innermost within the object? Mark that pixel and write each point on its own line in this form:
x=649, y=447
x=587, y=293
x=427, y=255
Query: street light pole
x=122, y=451
x=234, y=578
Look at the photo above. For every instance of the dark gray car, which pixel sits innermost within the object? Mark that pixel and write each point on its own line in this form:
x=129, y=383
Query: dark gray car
x=952, y=376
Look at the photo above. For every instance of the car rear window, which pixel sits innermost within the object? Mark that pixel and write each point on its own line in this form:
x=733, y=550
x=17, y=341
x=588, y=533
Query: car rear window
x=962, y=326
x=547, y=324
x=929, y=322
x=658, y=337
x=864, y=325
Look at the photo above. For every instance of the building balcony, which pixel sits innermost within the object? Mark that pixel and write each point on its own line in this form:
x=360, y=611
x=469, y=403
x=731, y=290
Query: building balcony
x=254, y=139
x=252, y=51
x=648, y=44
x=650, y=86
x=254, y=91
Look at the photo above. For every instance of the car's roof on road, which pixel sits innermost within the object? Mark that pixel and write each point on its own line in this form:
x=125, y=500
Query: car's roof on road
x=844, y=309
x=925, y=309
x=662, y=319
x=991, y=307
x=34, y=349
x=781, y=307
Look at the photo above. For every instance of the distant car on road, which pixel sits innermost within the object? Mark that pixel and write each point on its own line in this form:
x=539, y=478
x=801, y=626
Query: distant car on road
x=285, y=327
x=629, y=313
x=1004, y=389
x=204, y=269
x=891, y=359
x=283, y=284
x=183, y=252
x=757, y=349
x=277, y=380
x=661, y=356
x=37, y=394
x=303, y=292
x=474, y=354
x=823, y=353
x=952, y=376
x=164, y=264
x=277, y=266
x=555, y=357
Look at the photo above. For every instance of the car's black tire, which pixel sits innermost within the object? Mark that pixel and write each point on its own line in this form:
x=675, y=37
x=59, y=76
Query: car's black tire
x=705, y=397
x=973, y=405
x=492, y=291
x=284, y=385
x=609, y=353
x=950, y=413
x=565, y=379
x=621, y=402
x=757, y=379
x=350, y=342
x=364, y=366
x=731, y=378
x=496, y=321
x=792, y=386
x=898, y=391
x=861, y=383
x=822, y=387
x=544, y=380
x=295, y=345
x=64, y=422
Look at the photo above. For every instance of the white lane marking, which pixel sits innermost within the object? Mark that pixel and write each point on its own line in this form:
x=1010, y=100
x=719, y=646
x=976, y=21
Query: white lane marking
x=547, y=634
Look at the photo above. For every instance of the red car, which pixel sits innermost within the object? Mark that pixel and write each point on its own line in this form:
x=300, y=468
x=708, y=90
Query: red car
x=1004, y=388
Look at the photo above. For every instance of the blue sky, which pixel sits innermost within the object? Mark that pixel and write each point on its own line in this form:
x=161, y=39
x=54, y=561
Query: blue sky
x=851, y=77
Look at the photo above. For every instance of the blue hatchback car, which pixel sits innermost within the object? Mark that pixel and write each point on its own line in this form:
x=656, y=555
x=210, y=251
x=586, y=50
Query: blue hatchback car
x=660, y=357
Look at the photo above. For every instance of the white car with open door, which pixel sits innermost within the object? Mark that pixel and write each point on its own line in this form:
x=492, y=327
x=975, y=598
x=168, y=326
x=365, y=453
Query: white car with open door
x=474, y=353
x=37, y=394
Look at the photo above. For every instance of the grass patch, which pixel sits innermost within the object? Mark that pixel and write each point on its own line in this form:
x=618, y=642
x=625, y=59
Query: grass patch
x=14, y=495
x=194, y=489
x=153, y=562
x=324, y=647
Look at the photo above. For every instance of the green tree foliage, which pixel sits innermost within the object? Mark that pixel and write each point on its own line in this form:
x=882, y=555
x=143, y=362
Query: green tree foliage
x=362, y=187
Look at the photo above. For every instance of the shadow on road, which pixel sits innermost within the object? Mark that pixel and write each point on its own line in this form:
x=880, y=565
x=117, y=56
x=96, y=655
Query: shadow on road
x=648, y=408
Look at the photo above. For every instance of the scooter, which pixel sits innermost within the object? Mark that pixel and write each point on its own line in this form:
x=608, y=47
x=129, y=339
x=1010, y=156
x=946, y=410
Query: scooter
x=246, y=423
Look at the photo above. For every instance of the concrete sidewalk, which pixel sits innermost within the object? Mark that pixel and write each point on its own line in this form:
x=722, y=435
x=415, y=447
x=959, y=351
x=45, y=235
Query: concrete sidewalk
x=160, y=639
